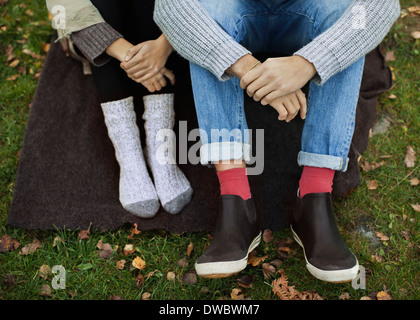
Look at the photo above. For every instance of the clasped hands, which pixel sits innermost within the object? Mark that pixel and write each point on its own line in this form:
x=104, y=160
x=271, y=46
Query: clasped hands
x=278, y=82
x=145, y=63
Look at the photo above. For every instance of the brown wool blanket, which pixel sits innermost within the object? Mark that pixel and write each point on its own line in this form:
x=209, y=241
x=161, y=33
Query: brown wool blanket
x=68, y=176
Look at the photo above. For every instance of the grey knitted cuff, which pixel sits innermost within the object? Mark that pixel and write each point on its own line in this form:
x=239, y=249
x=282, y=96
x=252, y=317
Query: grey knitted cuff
x=323, y=59
x=223, y=56
x=94, y=40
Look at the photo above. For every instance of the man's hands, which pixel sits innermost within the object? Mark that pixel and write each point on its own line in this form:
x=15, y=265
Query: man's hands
x=277, y=82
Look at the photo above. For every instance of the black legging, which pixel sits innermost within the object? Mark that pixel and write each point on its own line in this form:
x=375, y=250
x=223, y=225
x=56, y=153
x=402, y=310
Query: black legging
x=134, y=20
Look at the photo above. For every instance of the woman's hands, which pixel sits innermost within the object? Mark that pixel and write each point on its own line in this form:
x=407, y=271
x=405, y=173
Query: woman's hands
x=145, y=63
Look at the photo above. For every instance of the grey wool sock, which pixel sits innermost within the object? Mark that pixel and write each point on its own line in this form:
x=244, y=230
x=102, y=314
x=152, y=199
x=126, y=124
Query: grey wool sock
x=173, y=188
x=136, y=190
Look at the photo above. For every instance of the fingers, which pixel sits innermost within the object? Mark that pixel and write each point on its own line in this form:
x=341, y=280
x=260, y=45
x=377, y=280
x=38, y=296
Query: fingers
x=303, y=104
x=251, y=76
x=169, y=74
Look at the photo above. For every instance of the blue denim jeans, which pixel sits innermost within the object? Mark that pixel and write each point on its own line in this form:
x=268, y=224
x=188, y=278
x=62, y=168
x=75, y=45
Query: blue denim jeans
x=281, y=26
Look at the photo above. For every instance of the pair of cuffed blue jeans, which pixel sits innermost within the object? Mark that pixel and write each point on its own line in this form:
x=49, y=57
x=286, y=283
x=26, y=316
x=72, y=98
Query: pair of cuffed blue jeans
x=281, y=26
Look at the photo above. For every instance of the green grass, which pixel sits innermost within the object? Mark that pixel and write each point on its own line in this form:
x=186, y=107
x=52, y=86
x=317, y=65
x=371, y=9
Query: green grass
x=387, y=209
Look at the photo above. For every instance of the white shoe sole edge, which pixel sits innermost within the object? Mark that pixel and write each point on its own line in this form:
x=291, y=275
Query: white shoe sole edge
x=226, y=268
x=334, y=276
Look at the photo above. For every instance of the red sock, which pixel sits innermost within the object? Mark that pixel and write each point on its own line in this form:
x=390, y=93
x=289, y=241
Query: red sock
x=316, y=180
x=234, y=181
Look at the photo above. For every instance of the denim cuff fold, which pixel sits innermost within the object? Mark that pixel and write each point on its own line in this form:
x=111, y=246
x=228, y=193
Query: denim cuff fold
x=226, y=150
x=322, y=161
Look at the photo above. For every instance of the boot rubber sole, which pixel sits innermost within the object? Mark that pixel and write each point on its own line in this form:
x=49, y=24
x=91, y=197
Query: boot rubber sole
x=334, y=276
x=223, y=269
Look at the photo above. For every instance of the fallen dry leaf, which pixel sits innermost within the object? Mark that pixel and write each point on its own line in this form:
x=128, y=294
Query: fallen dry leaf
x=344, y=296
x=133, y=231
x=56, y=241
x=377, y=258
x=139, y=281
x=235, y=294
x=414, y=9
x=190, y=249
x=7, y=243
x=389, y=56
x=267, y=236
x=285, y=292
x=114, y=297
x=245, y=280
x=45, y=291
x=9, y=53
x=145, y=296
x=416, y=207
x=128, y=249
x=44, y=271
x=415, y=34
x=139, y=263
x=105, y=249
x=12, y=78
x=32, y=54
x=382, y=295
x=381, y=236
x=189, y=278
x=410, y=157
x=414, y=181
x=183, y=263
x=368, y=166
x=366, y=298
x=31, y=247
x=372, y=184
x=45, y=47
x=268, y=270
x=254, y=260
x=170, y=276
x=14, y=63
x=84, y=234
x=120, y=264
x=406, y=235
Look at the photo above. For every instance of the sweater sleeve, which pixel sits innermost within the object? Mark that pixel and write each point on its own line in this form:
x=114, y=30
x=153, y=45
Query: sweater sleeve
x=93, y=41
x=359, y=30
x=196, y=36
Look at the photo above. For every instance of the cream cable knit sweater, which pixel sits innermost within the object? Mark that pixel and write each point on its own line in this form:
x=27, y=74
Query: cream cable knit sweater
x=198, y=38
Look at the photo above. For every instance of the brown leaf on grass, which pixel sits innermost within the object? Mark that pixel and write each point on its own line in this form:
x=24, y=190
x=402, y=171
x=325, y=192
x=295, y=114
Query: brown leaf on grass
x=114, y=297
x=44, y=271
x=382, y=295
x=120, y=264
x=377, y=258
x=406, y=235
x=268, y=270
x=415, y=34
x=57, y=240
x=267, y=236
x=128, y=249
x=235, y=294
x=183, y=263
x=389, y=56
x=9, y=281
x=282, y=289
x=7, y=243
x=105, y=249
x=368, y=166
x=414, y=181
x=84, y=234
x=381, y=236
x=190, y=249
x=139, y=281
x=344, y=296
x=45, y=291
x=3, y=2
x=189, y=278
x=46, y=47
x=139, y=263
x=410, y=157
x=414, y=9
x=416, y=207
x=170, y=276
x=145, y=296
x=32, y=54
x=133, y=231
x=12, y=78
x=14, y=63
x=31, y=247
x=245, y=280
x=9, y=53
x=372, y=184
x=254, y=260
